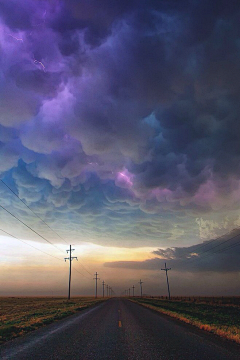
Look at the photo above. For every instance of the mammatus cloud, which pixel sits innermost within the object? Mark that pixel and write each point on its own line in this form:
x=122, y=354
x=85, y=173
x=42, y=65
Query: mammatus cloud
x=121, y=120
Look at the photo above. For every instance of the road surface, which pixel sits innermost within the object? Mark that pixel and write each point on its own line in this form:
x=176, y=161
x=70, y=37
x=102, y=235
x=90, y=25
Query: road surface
x=118, y=329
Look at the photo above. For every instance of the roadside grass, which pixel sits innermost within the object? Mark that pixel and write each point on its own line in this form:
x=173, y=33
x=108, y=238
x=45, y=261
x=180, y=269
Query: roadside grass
x=222, y=320
x=212, y=300
x=20, y=315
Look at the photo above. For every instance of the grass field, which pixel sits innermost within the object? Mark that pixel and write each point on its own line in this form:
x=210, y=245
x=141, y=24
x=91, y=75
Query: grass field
x=20, y=315
x=217, y=315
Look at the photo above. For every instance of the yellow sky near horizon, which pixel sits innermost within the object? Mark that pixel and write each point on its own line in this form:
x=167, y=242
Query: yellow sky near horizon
x=26, y=269
x=18, y=252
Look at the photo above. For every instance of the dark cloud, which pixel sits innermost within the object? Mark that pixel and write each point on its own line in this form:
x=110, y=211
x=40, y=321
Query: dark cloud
x=38, y=81
x=17, y=15
x=219, y=255
x=125, y=114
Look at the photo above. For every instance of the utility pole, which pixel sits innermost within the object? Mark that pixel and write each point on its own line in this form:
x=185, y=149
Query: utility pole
x=103, y=284
x=133, y=290
x=70, y=258
x=107, y=290
x=110, y=291
x=96, y=278
x=141, y=282
x=167, y=269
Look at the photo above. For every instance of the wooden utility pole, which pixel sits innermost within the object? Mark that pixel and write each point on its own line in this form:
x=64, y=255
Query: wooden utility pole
x=103, y=284
x=141, y=282
x=133, y=290
x=70, y=258
x=167, y=269
x=107, y=290
x=96, y=278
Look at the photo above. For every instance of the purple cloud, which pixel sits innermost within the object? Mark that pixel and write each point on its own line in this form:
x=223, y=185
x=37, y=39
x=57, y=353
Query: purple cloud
x=126, y=112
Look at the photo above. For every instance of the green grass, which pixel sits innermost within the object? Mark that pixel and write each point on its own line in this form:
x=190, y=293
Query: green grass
x=223, y=320
x=20, y=315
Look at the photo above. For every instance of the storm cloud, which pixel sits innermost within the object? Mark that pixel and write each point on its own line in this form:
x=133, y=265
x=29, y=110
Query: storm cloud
x=120, y=120
x=216, y=255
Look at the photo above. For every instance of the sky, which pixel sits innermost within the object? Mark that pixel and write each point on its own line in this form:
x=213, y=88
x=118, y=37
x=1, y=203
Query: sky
x=119, y=134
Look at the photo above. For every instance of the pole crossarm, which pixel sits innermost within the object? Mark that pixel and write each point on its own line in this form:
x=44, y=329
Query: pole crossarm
x=96, y=278
x=70, y=258
x=166, y=269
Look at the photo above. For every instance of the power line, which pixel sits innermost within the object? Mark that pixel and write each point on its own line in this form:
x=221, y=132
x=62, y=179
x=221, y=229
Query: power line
x=233, y=237
x=32, y=211
x=44, y=252
x=224, y=249
x=85, y=268
x=215, y=252
x=193, y=259
x=208, y=243
x=41, y=220
x=217, y=238
x=39, y=235
x=80, y=273
x=230, y=246
x=219, y=251
x=29, y=227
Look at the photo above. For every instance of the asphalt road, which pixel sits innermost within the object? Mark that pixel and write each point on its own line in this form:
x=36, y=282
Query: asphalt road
x=118, y=329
